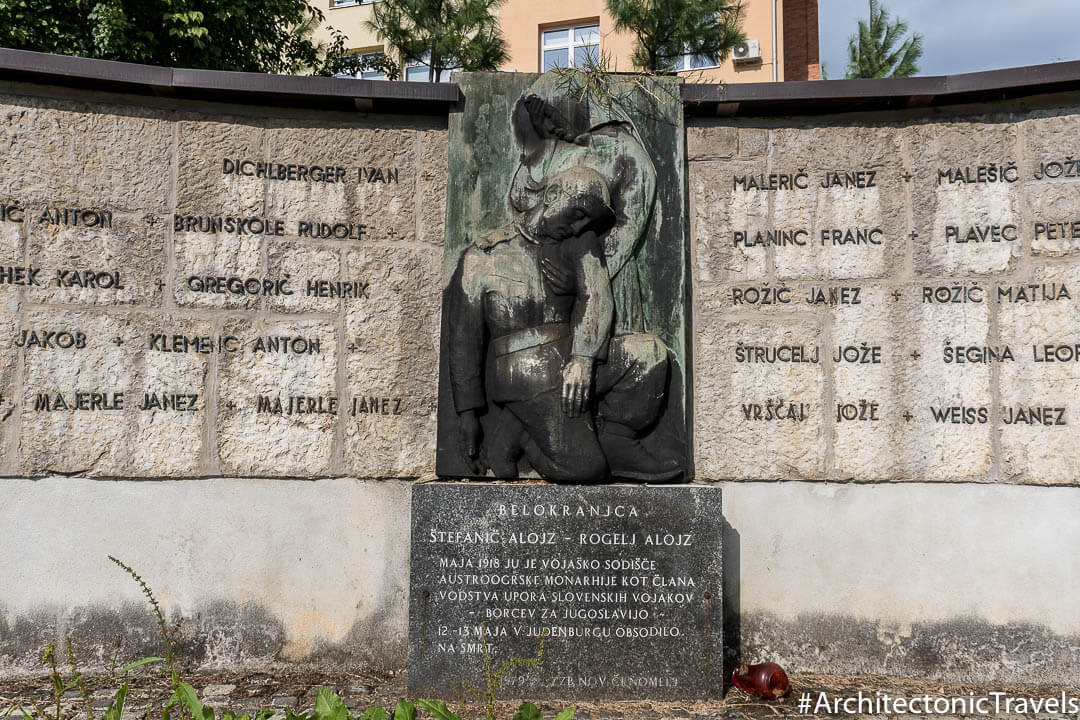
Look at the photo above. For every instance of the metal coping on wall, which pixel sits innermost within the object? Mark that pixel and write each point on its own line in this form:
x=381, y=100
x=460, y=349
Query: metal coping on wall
x=727, y=99
x=232, y=87
x=833, y=96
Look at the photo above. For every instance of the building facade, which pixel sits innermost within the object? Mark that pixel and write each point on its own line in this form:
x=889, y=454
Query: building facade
x=782, y=39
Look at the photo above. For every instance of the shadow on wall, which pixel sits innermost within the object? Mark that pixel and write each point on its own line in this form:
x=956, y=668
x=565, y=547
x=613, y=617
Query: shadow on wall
x=955, y=650
x=219, y=634
x=730, y=545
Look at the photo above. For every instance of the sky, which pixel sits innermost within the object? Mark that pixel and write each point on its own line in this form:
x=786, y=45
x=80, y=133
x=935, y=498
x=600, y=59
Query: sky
x=962, y=35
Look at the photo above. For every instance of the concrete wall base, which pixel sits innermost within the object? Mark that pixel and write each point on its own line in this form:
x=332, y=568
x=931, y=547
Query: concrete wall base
x=958, y=582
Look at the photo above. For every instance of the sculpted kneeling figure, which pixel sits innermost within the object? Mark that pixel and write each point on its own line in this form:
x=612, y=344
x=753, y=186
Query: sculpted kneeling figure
x=531, y=348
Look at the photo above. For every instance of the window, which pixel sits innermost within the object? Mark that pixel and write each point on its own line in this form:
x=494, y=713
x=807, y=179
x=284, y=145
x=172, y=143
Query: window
x=349, y=3
x=373, y=74
x=570, y=46
x=368, y=74
x=695, y=62
x=418, y=72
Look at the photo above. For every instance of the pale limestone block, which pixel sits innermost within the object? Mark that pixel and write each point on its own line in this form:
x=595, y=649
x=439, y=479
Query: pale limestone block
x=1055, y=217
x=304, y=264
x=84, y=155
x=929, y=448
x=972, y=211
x=432, y=200
x=11, y=243
x=753, y=142
x=733, y=437
x=850, y=233
x=120, y=265
x=268, y=438
x=385, y=206
x=219, y=257
x=720, y=209
x=841, y=149
x=90, y=429
x=202, y=185
x=171, y=422
x=9, y=395
x=1050, y=137
x=979, y=207
x=853, y=188
x=711, y=140
x=771, y=298
x=393, y=352
x=868, y=337
x=1043, y=331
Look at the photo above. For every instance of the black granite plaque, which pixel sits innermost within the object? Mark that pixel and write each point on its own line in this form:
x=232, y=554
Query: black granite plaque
x=623, y=582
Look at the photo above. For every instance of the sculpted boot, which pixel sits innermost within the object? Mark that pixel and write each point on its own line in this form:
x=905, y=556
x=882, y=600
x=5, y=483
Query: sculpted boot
x=631, y=460
x=505, y=444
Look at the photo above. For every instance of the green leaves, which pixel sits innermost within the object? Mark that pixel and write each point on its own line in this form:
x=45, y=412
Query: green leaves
x=328, y=706
x=404, y=710
x=667, y=29
x=115, y=710
x=187, y=25
x=442, y=34
x=438, y=710
x=528, y=711
x=374, y=713
x=139, y=663
x=872, y=51
x=243, y=35
x=190, y=699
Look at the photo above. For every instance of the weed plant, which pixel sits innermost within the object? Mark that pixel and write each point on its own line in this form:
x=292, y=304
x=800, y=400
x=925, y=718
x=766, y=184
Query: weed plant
x=184, y=703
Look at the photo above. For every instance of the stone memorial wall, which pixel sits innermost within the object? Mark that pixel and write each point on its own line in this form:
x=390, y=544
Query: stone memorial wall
x=879, y=342
x=888, y=301
x=192, y=294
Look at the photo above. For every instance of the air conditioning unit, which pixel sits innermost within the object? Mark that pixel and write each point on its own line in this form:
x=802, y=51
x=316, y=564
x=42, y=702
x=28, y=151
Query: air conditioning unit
x=746, y=52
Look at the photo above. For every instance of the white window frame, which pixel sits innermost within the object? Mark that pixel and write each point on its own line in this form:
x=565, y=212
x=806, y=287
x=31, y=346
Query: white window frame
x=444, y=76
x=364, y=54
x=572, y=42
x=380, y=73
x=686, y=60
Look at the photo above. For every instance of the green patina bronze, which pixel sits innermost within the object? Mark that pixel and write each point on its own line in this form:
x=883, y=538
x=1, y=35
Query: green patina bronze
x=510, y=138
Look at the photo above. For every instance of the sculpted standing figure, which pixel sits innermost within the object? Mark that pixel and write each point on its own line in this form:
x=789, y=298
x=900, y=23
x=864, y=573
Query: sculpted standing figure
x=531, y=343
x=557, y=127
x=548, y=341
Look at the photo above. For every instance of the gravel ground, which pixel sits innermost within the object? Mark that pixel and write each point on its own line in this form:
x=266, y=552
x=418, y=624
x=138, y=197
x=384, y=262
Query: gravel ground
x=247, y=692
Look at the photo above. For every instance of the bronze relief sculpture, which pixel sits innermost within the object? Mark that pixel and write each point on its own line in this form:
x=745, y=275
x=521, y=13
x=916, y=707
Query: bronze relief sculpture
x=549, y=359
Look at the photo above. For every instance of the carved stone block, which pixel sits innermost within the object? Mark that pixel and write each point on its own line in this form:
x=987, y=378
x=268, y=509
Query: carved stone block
x=277, y=398
x=391, y=360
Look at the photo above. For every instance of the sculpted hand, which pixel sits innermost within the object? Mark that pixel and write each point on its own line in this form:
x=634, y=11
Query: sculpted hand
x=469, y=438
x=535, y=107
x=577, y=385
